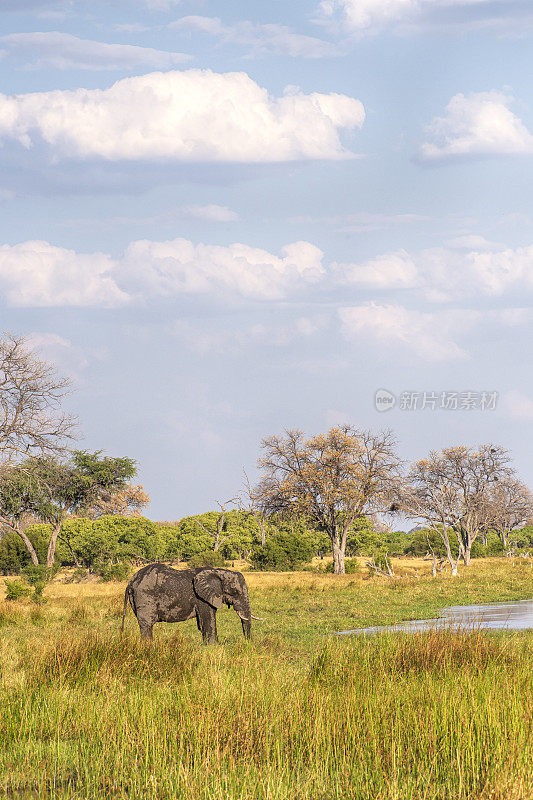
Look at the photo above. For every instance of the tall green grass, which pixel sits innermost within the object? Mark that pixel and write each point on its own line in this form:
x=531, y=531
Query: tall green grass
x=433, y=715
x=295, y=715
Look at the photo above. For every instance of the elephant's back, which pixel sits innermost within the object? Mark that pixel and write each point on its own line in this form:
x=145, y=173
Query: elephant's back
x=156, y=576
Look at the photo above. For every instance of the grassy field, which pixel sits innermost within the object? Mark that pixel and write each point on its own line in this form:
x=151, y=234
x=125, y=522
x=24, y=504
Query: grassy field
x=296, y=714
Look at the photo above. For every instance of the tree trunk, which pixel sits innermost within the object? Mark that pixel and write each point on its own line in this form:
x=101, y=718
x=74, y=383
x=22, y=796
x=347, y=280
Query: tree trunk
x=29, y=547
x=338, y=556
x=74, y=556
x=443, y=533
x=50, y=556
x=466, y=554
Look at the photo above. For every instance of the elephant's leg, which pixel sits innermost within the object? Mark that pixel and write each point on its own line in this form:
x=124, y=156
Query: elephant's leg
x=147, y=632
x=146, y=625
x=207, y=623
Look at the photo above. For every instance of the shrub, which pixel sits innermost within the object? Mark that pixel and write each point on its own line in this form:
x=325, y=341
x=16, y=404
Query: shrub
x=113, y=572
x=283, y=551
x=351, y=566
x=208, y=558
x=79, y=574
x=16, y=589
x=36, y=574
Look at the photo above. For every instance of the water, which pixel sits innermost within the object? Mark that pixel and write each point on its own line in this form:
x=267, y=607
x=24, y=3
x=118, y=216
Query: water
x=516, y=616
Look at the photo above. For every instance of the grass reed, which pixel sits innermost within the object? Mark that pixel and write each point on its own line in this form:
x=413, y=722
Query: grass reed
x=296, y=715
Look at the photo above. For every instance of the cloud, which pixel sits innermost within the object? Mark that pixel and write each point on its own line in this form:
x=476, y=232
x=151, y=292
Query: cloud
x=63, y=51
x=474, y=242
x=479, y=124
x=166, y=269
x=469, y=267
x=388, y=271
x=259, y=38
x=427, y=335
x=190, y=116
x=162, y=5
x=364, y=17
x=210, y=213
x=40, y=275
x=453, y=274
x=518, y=405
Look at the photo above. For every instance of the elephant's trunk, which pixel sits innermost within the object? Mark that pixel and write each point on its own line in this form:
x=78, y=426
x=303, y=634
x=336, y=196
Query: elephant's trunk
x=244, y=610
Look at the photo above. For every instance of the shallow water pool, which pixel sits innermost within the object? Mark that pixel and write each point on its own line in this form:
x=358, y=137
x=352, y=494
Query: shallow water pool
x=513, y=616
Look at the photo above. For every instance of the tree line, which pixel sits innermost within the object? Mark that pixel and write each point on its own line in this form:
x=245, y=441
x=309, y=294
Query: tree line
x=315, y=493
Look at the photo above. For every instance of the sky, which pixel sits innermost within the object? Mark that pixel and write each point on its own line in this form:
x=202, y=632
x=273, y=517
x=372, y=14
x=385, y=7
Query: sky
x=223, y=220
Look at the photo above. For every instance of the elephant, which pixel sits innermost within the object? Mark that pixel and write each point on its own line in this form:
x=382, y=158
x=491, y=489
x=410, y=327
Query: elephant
x=158, y=593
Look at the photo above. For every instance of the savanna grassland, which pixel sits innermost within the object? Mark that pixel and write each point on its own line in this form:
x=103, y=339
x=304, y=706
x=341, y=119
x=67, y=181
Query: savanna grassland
x=296, y=714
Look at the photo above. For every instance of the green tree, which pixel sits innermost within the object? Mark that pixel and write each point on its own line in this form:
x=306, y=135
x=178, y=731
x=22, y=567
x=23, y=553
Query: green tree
x=283, y=550
x=51, y=490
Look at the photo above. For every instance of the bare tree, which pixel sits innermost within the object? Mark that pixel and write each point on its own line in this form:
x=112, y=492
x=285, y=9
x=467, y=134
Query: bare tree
x=451, y=492
x=426, y=496
x=254, y=507
x=509, y=506
x=31, y=419
x=333, y=479
x=217, y=535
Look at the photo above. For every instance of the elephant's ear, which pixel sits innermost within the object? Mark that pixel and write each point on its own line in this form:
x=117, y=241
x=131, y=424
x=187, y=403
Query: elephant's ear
x=208, y=587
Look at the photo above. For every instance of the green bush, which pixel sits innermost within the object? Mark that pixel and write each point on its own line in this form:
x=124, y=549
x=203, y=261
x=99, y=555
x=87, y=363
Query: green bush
x=16, y=589
x=208, y=558
x=418, y=544
x=351, y=566
x=283, y=551
x=36, y=574
x=79, y=574
x=113, y=572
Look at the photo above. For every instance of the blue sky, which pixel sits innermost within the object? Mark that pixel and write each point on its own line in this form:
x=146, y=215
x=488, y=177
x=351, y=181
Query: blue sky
x=227, y=219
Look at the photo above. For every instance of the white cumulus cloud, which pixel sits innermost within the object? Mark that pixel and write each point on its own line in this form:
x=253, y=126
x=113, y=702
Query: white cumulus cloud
x=360, y=17
x=388, y=271
x=176, y=267
x=428, y=335
x=52, y=49
x=39, y=274
x=453, y=274
x=469, y=267
x=191, y=116
x=479, y=124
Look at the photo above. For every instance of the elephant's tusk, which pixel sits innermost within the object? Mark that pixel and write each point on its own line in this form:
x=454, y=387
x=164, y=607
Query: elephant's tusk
x=261, y=618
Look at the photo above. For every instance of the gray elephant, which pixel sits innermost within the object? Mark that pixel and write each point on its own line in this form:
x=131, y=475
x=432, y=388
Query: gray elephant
x=158, y=593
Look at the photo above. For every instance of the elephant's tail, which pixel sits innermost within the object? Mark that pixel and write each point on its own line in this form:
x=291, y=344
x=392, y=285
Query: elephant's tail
x=128, y=595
